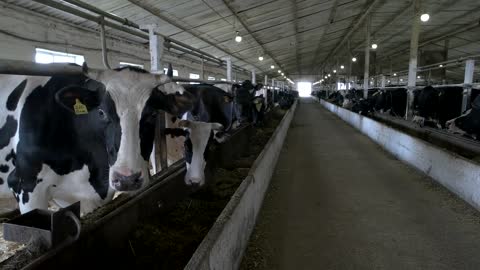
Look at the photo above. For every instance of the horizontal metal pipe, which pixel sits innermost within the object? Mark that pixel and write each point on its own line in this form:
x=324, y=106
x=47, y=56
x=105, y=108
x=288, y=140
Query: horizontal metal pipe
x=17, y=67
x=138, y=33
x=180, y=79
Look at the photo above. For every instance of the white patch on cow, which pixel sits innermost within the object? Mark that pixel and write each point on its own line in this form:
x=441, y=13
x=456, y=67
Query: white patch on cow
x=347, y=103
x=171, y=88
x=64, y=190
x=419, y=120
x=9, y=83
x=225, y=87
x=452, y=127
x=129, y=91
x=199, y=135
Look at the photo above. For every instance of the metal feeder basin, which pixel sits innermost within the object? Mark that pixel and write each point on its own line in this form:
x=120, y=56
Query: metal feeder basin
x=44, y=227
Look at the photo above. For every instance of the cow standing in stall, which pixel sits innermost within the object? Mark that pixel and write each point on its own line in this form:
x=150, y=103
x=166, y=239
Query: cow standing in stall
x=80, y=138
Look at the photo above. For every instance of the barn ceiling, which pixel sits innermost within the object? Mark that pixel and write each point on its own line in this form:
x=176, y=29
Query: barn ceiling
x=301, y=37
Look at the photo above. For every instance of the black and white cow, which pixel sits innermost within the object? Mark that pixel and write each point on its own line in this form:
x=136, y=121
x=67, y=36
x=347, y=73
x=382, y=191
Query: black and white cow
x=468, y=123
x=435, y=106
x=80, y=138
x=211, y=116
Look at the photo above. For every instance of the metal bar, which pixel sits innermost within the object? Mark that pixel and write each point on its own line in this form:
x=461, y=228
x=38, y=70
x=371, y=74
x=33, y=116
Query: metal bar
x=412, y=68
x=180, y=79
x=367, y=59
x=140, y=33
x=157, y=13
x=103, y=41
x=18, y=67
x=463, y=29
x=230, y=8
x=467, y=88
x=365, y=14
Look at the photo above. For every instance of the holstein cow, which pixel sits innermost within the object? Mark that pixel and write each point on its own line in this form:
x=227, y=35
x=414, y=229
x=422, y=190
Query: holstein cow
x=211, y=115
x=469, y=122
x=80, y=138
x=435, y=106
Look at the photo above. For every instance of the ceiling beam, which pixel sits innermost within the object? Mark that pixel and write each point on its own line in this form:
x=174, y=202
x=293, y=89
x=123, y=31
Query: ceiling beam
x=157, y=13
x=463, y=29
x=230, y=8
x=364, y=14
x=389, y=22
x=331, y=19
x=298, y=60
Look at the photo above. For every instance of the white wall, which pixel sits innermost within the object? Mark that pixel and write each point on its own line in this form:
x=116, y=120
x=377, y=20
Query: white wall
x=21, y=31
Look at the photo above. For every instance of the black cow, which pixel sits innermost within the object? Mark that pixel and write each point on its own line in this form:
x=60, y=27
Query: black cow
x=211, y=115
x=80, y=138
x=435, y=106
x=469, y=123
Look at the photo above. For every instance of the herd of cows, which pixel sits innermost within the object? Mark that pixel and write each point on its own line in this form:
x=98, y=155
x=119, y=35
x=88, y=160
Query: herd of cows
x=82, y=138
x=439, y=107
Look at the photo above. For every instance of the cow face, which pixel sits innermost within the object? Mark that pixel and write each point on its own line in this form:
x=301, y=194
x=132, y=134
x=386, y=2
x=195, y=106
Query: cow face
x=196, y=145
x=126, y=116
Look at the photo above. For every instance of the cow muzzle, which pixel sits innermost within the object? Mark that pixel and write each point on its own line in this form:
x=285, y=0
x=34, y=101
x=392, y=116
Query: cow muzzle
x=127, y=180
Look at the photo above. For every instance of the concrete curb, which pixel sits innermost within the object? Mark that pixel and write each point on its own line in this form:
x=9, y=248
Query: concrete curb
x=459, y=175
x=225, y=243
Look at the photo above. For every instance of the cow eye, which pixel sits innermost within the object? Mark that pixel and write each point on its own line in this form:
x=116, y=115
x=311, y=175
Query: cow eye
x=102, y=114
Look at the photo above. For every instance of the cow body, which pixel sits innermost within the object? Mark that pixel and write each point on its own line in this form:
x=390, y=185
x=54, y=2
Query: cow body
x=435, y=106
x=74, y=138
x=468, y=123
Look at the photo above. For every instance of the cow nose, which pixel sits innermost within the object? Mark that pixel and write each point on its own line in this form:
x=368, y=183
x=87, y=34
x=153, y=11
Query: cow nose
x=194, y=181
x=127, y=182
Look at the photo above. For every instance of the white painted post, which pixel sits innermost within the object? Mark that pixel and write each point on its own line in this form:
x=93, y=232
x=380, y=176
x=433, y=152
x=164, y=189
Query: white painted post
x=467, y=84
x=158, y=158
x=367, y=59
x=229, y=68
x=254, y=79
x=265, y=91
x=445, y=58
x=412, y=67
x=273, y=90
x=383, y=80
x=202, y=70
x=156, y=49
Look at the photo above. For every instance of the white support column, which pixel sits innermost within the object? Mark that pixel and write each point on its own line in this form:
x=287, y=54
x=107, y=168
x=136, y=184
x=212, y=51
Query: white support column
x=412, y=67
x=367, y=59
x=266, y=79
x=254, y=78
x=202, y=70
x=273, y=91
x=229, y=69
x=158, y=158
x=383, y=80
x=156, y=49
x=467, y=84
x=265, y=91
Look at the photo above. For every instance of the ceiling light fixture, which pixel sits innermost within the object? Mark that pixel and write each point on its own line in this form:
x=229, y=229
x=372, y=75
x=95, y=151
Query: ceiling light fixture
x=238, y=38
x=425, y=17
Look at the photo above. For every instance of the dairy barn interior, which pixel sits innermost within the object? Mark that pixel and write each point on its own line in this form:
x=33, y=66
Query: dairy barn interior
x=239, y=134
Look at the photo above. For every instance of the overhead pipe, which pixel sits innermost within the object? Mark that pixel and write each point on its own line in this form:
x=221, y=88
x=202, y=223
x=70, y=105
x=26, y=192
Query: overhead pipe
x=17, y=67
x=104, y=43
x=138, y=33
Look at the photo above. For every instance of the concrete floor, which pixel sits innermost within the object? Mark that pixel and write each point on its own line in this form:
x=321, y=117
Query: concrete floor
x=338, y=201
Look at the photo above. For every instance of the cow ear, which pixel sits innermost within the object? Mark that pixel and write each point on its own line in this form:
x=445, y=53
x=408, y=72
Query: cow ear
x=77, y=99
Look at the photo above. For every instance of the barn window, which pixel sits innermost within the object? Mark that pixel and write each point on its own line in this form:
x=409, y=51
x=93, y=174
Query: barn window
x=210, y=78
x=124, y=64
x=44, y=56
x=194, y=76
x=175, y=72
x=223, y=79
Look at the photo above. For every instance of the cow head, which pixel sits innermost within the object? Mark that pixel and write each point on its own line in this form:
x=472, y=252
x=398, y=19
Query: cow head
x=196, y=147
x=124, y=111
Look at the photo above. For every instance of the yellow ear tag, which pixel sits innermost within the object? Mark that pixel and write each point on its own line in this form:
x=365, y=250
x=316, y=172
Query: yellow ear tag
x=79, y=107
